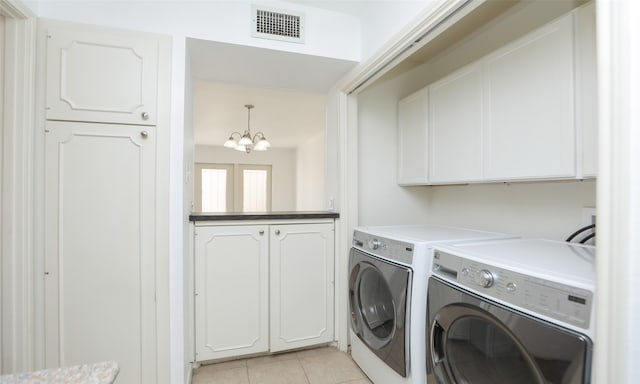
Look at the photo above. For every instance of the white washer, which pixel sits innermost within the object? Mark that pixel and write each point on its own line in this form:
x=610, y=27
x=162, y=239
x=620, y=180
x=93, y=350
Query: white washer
x=388, y=273
x=511, y=311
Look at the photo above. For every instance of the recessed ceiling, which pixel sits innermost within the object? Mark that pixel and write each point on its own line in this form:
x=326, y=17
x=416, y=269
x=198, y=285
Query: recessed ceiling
x=264, y=68
x=287, y=89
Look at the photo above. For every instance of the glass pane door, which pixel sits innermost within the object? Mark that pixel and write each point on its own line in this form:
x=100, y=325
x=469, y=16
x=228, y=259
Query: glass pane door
x=254, y=192
x=214, y=190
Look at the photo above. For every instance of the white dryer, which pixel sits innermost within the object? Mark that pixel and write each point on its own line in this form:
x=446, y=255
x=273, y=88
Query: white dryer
x=388, y=273
x=515, y=311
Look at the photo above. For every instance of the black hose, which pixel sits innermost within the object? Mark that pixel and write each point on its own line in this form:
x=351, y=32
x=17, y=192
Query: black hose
x=579, y=231
x=587, y=238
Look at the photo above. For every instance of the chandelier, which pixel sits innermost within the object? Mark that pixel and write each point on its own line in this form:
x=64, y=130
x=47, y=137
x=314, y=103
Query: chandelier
x=246, y=142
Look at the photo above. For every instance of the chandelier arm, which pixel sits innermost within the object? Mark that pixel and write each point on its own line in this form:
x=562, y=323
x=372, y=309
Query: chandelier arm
x=259, y=135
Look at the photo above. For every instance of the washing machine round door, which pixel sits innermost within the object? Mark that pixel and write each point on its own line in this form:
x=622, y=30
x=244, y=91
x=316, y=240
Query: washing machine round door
x=378, y=292
x=376, y=306
x=474, y=340
x=470, y=345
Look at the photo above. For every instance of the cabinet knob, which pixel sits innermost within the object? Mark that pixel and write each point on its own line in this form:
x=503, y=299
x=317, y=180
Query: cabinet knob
x=261, y=233
x=144, y=134
x=277, y=231
x=144, y=115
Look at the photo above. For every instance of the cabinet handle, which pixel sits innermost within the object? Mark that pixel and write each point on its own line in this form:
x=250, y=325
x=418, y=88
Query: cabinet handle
x=144, y=134
x=261, y=233
x=277, y=231
x=144, y=115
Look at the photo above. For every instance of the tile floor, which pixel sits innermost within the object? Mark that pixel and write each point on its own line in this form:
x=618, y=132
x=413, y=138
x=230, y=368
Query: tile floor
x=314, y=366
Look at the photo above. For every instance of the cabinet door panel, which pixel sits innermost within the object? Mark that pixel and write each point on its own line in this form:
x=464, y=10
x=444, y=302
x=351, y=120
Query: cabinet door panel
x=587, y=88
x=99, y=236
x=455, y=126
x=101, y=75
x=412, y=139
x=232, y=291
x=530, y=119
x=301, y=285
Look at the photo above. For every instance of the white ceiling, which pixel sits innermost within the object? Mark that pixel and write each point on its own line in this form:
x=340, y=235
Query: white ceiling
x=264, y=68
x=350, y=7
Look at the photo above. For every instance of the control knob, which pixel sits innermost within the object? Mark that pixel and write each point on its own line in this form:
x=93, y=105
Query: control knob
x=374, y=244
x=484, y=278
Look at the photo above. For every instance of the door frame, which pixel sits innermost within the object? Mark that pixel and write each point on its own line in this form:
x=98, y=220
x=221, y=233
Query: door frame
x=17, y=255
x=411, y=38
x=618, y=181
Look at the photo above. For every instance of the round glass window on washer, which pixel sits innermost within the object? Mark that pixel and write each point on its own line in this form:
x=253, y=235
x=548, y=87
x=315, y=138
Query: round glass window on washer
x=376, y=305
x=479, y=352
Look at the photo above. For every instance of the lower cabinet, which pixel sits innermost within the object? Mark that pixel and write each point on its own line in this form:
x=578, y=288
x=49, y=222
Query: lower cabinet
x=262, y=288
x=301, y=277
x=232, y=291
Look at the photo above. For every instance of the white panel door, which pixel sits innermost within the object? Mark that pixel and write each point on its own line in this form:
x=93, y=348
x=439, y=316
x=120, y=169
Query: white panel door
x=301, y=285
x=455, y=127
x=530, y=130
x=412, y=139
x=101, y=75
x=232, y=290
x=99, y=255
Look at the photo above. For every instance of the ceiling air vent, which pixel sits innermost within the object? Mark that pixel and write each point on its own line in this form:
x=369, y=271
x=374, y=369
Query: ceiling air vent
x=277, y=25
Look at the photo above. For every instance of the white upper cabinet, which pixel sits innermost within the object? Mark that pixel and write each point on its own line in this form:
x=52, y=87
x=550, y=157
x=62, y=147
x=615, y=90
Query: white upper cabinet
x=455, y=127
x=105, y=277
x=527, y=111
x=101, y=75
x=530, y=130
x=587, y=89
x=412, y=139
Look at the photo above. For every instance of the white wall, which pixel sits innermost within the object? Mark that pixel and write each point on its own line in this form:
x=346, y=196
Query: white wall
x=541, y=209
x=283, y=171
x=310, y=174
x=382, y=20
x=380, y=199
x=551, y=210
x=328, y=34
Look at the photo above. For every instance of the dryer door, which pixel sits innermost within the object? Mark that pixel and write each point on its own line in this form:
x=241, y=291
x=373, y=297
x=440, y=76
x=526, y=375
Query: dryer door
x=473, y=340
x=378, y=292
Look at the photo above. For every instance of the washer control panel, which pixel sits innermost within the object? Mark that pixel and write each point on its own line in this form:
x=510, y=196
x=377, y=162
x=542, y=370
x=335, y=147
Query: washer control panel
x=387, y=248
x=562, y=302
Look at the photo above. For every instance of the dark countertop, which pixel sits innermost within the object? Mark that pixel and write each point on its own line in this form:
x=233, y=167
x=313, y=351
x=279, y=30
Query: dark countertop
x=279, y=215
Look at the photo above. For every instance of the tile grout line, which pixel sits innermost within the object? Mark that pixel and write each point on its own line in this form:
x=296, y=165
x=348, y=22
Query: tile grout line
x=306, y=375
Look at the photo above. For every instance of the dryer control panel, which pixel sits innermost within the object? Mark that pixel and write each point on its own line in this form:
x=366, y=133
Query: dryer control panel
x=387, y=248
x=562, y=302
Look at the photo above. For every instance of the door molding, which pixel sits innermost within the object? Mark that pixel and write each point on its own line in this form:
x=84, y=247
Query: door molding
x=431, y=22
x=14, y=9
x=618, y=188
x=17, y=254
